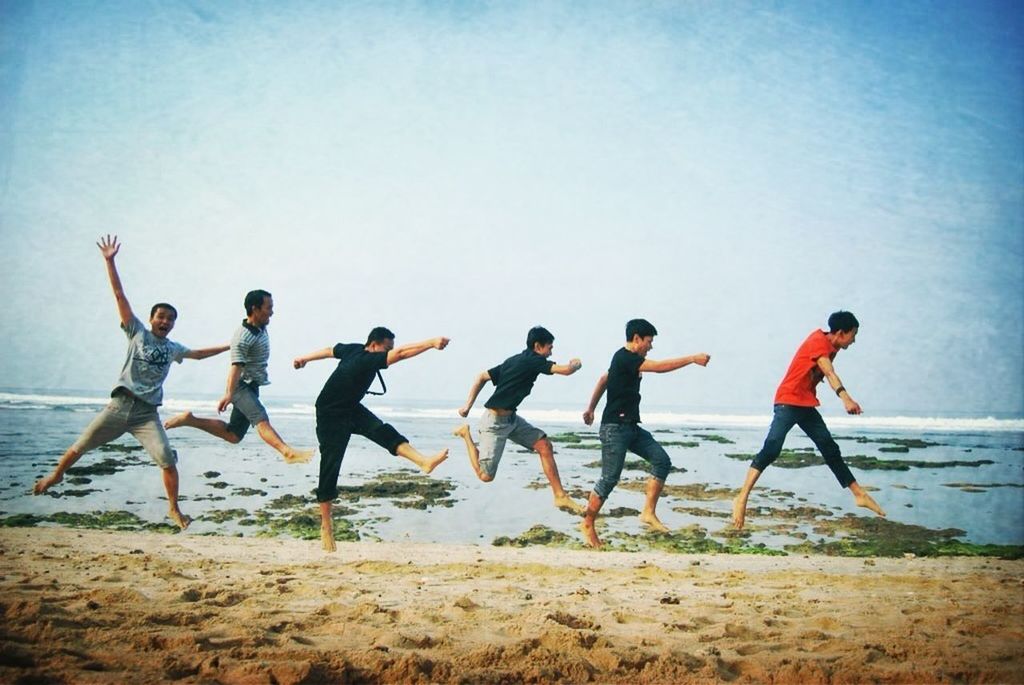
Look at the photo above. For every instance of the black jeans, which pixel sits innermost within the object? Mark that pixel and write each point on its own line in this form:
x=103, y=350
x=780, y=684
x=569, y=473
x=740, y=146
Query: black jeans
x=333, y=432
x=811, y=423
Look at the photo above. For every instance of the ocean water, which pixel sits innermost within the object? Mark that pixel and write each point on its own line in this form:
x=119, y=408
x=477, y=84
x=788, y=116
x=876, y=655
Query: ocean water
x=986, y=501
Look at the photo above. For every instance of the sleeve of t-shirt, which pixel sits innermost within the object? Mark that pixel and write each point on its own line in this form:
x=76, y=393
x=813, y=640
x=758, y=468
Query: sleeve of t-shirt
x=133, y=327
x=337, y=351
x=495, y=374
x=178, y=352
x=630, y=363
x=377, y=360
x=544, y=366
x=820, y=348
x=239, y=350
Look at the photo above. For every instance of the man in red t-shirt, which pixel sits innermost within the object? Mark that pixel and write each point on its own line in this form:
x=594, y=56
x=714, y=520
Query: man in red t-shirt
x=795, y=403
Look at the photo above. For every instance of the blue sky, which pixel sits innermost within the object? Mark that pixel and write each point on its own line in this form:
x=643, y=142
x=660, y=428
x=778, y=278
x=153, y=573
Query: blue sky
x=731, y=171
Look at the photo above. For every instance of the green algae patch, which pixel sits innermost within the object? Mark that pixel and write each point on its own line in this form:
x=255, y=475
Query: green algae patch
x=804, y=457
x=691, y=491
x=72, y=493
x=679, y=443
x=104, y=467
x=700, y=511
x=223, y=515
x=906, y=443
x=305, y=525
x=620, y=512
x=120, y=447
x=406, y=490
x=861, y=536
x=692, y=539
x=21, y=520
x=211, y=474
x=711, y=437
x=248, y=492
x=634, y=465
x=980, y=487
x=536, y=535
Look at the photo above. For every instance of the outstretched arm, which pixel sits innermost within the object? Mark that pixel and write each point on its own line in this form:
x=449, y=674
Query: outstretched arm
x=572, y=367
x=478, y=385
x=666, y=365
x=325, y=353
x=413, y=349
x=109, y=248
x=205, y=352
x=825, y=364
x=595, y=397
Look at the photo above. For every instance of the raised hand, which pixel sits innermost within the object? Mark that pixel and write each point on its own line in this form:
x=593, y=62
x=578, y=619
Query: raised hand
x=441, y=343
x=108, y=246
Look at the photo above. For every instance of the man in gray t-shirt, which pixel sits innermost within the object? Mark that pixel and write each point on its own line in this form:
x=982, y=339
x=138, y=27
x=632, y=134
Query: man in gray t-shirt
x=250, y=350
x=138, y=391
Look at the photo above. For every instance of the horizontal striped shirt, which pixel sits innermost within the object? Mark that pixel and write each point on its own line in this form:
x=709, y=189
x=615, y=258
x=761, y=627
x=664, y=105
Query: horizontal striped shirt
x=250, y=347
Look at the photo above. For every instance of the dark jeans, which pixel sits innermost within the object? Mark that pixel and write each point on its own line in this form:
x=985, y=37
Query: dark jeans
x=616, y=439
x=333, y=432
x=811, y=423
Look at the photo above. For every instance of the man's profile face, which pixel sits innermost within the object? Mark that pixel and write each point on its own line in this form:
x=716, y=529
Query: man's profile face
x=846, y=338
x=261, y=315
x=643, y=345
x=544, y=350
x=385, y=345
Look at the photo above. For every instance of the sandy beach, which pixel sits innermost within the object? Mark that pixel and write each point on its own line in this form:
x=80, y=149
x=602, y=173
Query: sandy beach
x=84, y=606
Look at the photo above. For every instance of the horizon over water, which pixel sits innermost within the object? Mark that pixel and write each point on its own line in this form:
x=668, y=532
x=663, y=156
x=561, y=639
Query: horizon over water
x=540, y=411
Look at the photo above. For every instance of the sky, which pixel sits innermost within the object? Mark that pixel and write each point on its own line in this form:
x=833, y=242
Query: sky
x=731, y=171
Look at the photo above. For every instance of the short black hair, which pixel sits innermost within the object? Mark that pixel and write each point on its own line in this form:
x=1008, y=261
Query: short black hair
x=163, y=305
x=842, y=321
x=538, y=334
x=379, y=334
x=254, y=300
x=641, y=327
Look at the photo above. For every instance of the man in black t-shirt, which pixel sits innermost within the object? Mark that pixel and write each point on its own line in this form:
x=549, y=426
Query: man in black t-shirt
x=340, y=413
x=513, y=380
x=620, y=424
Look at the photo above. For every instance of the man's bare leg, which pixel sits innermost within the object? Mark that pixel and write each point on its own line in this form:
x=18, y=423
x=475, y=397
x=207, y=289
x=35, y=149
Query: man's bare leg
x=651, y=494
x=589, y=520
x=327, y=528
x=214, y=427
x=426, y=464
x=547, y=463
x=67, y=460
x=863, y=499
x=739, y=504
x=290, y=454
x=171, y=486
x=474, y=453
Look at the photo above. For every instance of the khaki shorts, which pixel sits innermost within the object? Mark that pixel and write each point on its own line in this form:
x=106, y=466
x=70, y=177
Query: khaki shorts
x=496, y=430
x=126, y=414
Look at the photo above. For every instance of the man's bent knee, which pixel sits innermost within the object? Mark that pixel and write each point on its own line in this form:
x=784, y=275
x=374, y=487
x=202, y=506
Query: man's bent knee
x=543, y=447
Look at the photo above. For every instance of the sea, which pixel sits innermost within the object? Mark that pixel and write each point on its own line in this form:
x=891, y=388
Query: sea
x=960, y=473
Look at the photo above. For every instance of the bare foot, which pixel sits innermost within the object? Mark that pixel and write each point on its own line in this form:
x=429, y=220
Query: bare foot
x=590, y=534
x=181, y=419
x=649, y=519
x=44, y=484
x=179, y=519
x=739, y=512
x=566, y=503
x=327, y=536
x=293, y=456
x=432, y=463
x=865, y=500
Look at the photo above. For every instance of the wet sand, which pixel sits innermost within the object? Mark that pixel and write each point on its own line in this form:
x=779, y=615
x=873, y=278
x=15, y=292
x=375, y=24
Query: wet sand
x=84, y=606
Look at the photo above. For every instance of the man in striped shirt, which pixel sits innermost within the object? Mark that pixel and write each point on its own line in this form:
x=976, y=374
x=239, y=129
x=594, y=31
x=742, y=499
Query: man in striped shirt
x=250, y=351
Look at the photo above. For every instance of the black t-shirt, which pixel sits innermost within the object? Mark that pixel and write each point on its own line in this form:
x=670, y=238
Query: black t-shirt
x=351, y=379
x=623, y=388
x=514, y=378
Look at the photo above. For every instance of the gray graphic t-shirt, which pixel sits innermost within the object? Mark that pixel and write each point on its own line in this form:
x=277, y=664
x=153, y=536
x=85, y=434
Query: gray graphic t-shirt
x=147, y=363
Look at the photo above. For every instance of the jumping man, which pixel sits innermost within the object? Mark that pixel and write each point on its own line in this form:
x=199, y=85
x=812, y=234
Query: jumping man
x=340, y=413
x=795, y=402
x=139, y=390
x=514, y=379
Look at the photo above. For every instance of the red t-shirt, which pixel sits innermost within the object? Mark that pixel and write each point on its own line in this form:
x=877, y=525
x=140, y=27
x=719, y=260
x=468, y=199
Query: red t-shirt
x=798, y=385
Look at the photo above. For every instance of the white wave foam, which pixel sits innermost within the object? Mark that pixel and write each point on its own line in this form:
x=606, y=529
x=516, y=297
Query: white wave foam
x=559, y=416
